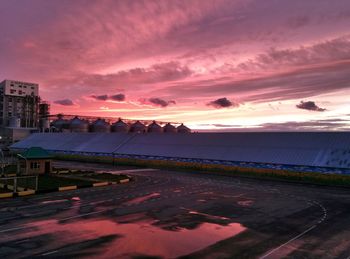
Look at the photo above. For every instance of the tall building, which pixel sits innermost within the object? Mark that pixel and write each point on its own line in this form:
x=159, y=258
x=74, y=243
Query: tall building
x=19, y=104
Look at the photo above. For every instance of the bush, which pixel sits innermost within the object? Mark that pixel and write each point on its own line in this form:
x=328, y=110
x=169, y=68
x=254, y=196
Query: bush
x=269, y=173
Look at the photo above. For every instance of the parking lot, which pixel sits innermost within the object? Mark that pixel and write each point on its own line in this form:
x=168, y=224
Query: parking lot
x=168, y=214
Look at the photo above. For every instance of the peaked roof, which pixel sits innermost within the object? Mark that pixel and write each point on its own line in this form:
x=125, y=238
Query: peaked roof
x=36, y=153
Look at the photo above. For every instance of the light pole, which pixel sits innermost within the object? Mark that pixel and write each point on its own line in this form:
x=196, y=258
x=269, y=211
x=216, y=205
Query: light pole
x=2, y=159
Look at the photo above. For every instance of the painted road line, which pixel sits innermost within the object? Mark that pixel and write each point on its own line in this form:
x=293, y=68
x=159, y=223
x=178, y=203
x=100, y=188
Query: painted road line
x=288, y=242
x=13, y=229
x=49, y=253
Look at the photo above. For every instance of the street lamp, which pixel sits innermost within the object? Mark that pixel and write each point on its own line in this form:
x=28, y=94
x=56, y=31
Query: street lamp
x=2, y=159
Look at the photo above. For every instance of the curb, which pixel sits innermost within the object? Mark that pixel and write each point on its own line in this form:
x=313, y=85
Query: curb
x=6, y=195
x=67, y=188
x=25, y=193
x=124, y=180
x=100, y=184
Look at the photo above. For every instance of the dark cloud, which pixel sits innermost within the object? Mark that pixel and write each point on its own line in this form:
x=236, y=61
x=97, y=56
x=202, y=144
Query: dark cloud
x=160, y=102
x=64, y=102
x=222, y=103
x=106, y=97
x=103, y=97
x=314, y=125
x=309, y=105
x=117, y=97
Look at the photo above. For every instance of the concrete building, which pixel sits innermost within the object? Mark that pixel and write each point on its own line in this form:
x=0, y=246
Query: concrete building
x=34, y=160
x=19, y=104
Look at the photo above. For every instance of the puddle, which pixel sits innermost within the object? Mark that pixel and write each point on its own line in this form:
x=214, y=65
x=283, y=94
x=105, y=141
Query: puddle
x=75, y=198
x=139, y=200
x=141, y=238
x=177, y=190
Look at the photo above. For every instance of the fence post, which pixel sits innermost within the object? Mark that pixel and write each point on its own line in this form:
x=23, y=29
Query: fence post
x=15, y=184
x=36, y=183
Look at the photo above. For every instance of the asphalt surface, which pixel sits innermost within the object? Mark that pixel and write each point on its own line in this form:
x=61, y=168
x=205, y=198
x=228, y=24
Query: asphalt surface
x=167, y=214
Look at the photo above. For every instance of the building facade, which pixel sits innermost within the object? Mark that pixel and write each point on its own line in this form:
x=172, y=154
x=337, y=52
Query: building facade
x=19, y=104
x=34, y=160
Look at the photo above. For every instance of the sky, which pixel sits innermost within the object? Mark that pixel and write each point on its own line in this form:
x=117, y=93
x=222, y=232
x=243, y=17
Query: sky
x=223, y=65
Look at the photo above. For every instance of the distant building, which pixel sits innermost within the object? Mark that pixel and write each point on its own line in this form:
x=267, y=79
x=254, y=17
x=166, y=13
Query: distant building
x=19, y=104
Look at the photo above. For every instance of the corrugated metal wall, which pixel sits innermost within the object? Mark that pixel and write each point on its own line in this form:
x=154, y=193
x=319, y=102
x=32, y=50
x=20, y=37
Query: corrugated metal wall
x=291, y=148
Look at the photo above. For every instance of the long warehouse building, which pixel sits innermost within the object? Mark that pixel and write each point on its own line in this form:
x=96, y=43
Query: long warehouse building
x=314, y=149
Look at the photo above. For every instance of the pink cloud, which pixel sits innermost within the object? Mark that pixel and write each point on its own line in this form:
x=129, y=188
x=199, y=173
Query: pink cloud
x=193, y=52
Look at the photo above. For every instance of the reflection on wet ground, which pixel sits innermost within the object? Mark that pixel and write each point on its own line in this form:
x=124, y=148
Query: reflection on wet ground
x=139, y=200
x=128, y=239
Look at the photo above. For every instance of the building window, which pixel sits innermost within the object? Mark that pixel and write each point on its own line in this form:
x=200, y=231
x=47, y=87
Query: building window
x=34, y=165
x=12, y=91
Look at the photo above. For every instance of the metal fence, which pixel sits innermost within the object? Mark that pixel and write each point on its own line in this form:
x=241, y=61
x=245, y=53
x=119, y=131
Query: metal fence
x=19, y=183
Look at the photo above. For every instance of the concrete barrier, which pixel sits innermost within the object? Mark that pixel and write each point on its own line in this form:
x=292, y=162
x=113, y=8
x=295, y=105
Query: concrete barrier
x=100, y=184
x=20, y=189
x=10, y=187
x=124, y=181
x=6, y=195
x=2, y=185
x=67, y=188
x=25, y=193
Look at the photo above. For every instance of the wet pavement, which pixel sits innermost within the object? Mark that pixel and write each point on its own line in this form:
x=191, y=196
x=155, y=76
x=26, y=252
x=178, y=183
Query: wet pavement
x=164, y=214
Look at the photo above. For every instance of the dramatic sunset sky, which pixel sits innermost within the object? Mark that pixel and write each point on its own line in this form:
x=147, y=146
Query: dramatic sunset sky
x=218, y=65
